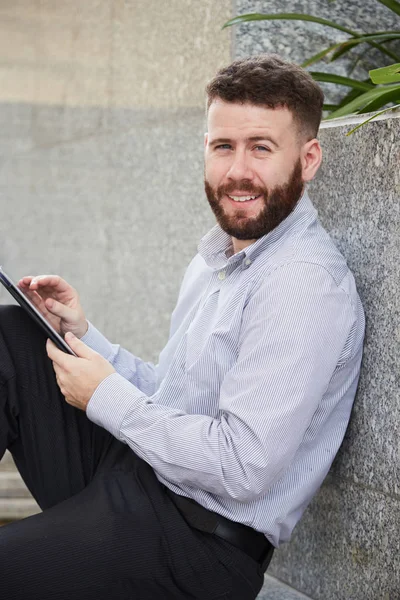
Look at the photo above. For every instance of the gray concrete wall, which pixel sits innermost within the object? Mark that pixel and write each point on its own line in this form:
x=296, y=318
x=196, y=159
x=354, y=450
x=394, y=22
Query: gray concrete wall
x=118, y=212
x=101, y=136
x=111, y=53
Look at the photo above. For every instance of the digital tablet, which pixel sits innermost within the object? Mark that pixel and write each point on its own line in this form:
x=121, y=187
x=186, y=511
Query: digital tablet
x=26, y=303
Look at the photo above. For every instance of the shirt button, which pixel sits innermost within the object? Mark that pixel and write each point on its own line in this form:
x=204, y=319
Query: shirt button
x=247, y=262
x=221, y=275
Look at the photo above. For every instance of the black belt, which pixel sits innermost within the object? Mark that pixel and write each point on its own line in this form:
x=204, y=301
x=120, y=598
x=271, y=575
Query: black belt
x=252, y=542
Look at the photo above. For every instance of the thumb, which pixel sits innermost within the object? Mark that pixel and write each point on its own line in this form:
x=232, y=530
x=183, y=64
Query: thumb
x=78, y=346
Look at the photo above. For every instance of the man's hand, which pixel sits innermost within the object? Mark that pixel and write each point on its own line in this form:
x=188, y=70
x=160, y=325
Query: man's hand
x=78, y=377
x=57, y=301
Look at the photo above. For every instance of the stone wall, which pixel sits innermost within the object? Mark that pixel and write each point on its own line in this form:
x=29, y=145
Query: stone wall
x=347, y=545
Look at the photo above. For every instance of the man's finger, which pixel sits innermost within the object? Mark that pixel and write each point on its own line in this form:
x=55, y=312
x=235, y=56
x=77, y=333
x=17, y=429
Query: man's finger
x=58, y=357
x=59, y=310
x=78, y=346
x=58, y=373
x=46, y=279
x=57, y=370
x=53, y=282
x=25, y=281
x=33, y=296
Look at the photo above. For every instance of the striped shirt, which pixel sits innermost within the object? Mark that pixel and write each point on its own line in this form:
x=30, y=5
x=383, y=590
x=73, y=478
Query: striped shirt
x=252, y=394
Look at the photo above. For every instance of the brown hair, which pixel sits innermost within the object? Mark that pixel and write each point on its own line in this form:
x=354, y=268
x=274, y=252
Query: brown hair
x=270, y=81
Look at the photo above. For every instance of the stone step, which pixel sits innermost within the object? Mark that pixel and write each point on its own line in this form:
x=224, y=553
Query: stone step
x=16, y=501
x=7, y=463
x=273, y=589
x=17, y=508
x=12, y=486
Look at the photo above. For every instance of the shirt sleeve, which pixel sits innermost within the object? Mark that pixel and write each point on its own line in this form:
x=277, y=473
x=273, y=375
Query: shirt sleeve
x=138, y=372
x=295, y=332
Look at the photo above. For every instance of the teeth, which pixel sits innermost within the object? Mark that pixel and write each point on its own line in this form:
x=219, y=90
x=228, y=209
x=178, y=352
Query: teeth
x=242, y=198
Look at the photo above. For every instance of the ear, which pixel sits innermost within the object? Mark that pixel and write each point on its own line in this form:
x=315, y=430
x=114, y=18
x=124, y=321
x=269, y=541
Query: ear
x=311, y=157
x=205, y=139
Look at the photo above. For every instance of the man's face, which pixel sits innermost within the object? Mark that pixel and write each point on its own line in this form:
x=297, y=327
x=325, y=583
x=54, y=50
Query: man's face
x=253, y=170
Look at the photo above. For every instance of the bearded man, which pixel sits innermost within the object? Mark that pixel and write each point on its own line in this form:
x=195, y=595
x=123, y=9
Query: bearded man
x=178, y=480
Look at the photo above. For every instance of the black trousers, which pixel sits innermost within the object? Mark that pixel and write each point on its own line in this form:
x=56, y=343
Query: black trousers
x=108, y=529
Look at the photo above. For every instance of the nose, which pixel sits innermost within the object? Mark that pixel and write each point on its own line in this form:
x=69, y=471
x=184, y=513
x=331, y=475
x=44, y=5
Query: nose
x=240, y=167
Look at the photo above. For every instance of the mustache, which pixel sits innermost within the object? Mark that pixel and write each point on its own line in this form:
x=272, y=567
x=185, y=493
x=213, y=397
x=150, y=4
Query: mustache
x=241, y=186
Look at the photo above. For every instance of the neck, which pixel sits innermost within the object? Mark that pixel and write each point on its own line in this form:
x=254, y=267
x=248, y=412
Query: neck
x=239, y=245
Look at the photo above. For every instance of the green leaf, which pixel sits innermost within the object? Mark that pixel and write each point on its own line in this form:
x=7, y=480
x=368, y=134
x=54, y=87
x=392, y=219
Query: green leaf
x=352, y=95
x=339, y=80
x=392, y=4
x=355, y=40
x=377, y=96
x=360, y=56
x=377, y=103
x=344, y=47
x=285, y=16
x=316, y=57
x=385, y=50
x=349, y=97
x=345, y=100
x=389, y=74
x=379, y=47
x=330, y=106
x=373, y=117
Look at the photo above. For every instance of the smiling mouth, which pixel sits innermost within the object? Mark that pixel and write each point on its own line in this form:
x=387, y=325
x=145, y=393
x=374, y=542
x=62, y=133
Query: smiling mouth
x=243, y=198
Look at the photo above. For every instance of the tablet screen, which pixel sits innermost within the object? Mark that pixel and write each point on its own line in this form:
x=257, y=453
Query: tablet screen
x=26, y=303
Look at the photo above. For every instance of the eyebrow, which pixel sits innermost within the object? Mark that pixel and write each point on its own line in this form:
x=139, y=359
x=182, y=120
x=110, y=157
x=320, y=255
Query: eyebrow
x=254, y=138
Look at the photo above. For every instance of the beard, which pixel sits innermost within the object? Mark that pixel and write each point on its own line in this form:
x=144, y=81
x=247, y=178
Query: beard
x=278, y=203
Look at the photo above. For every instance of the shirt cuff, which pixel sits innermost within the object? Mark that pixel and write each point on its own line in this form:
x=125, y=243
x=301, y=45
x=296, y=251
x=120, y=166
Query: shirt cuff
x=113, y=398
x=97, y=341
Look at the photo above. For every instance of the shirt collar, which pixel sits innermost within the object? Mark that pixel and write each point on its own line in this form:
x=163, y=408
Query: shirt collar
x=216, y=246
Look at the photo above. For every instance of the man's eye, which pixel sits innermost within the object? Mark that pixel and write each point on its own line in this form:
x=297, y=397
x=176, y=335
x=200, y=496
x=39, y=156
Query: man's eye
x=223, y=147
x=262, y=149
